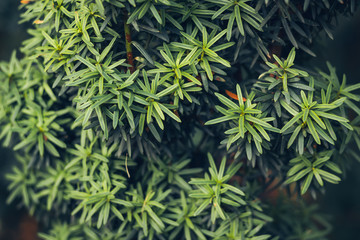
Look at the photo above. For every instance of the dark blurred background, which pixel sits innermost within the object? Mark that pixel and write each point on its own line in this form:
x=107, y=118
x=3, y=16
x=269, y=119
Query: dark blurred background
x=15, y=223
x=341, y=202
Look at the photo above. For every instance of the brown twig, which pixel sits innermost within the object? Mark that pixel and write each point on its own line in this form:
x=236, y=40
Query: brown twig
x=129, y=53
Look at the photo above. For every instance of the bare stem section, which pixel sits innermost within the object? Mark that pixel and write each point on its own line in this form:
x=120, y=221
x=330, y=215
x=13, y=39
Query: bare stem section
x=129, y=53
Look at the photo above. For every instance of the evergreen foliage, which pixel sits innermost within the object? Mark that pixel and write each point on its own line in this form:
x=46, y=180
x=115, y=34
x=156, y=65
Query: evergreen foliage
x=173, y=119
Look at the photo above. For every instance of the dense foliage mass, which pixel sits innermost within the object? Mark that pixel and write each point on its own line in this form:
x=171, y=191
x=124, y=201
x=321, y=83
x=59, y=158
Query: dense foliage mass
x=116, y=108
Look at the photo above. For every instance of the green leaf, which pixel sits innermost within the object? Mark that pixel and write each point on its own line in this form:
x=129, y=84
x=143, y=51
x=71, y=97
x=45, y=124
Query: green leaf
x=191, y=39
x=318, y=177
x=51, y=149
x=233, y=189
x=49, y=39
x=306, y=112
x=201, y=181
x=25, y=142
x=352, y=87
x=167, y=58
x=331, y=116
x=169, y=113
x=238, y=20
x=291, y=122
x=167, y=91
x=285, y=81
x=106, y=51
x=329, y=176
x=221, y=10
x=117, y=212
x=158, y=110
x=202, y=207
x=288, y=108
x=277, y=59
x=223, y=46
x=293, y=136
x=55, y=140
x=155, y=14
x=291, y=57
x=191, y=78
x=317, y=119
x=218, y=59
x=216, y=38
x=219, y=210
x=100, y=7
x=221, y=119
x=324, y=135
x=242, y=129
x=144, y=8
x=101, y=118
x=212, y=162
x=205, y=36
x=226, y=101
x=313, y=131
x=41, y=144
x=206, y=66
x=239, y=94
x=301, y=174
x=296, y=168
x=174, y=22
x=143, y=52
x=86, y=62
x=230, y=26
x=333, y=166
x=154, y=217
x=253, y=132
x=257, y=121
x=306, y=183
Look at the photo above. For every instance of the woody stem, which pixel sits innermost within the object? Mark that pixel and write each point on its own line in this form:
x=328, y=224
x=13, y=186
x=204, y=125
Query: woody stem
x=129, y=53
